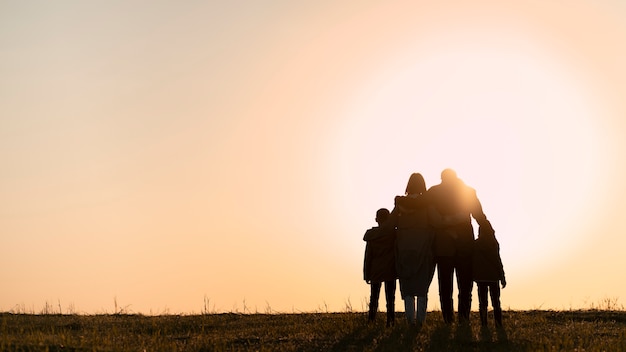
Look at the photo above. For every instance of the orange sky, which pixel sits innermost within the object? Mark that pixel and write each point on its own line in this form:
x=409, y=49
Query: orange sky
x=157, y=155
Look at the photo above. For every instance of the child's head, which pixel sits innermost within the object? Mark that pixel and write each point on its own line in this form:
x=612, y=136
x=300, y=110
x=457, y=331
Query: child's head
x=381, y=215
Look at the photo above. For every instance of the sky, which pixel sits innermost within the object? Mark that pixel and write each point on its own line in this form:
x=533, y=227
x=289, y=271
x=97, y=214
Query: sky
x=228, y=156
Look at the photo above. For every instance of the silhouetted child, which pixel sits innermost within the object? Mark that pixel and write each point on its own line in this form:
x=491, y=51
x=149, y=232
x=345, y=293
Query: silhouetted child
x=380, y=265
x=488, y=272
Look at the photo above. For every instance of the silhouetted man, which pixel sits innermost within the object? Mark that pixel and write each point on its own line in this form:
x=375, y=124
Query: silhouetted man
x=454, y=239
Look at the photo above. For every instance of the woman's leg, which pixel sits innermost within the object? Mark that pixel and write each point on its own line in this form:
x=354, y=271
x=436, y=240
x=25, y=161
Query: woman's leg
x=409, y=308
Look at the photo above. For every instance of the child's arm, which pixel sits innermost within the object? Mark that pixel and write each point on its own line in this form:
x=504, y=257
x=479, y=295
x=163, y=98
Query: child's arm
x=411, y=202
x=373, y=233
x=501, y=267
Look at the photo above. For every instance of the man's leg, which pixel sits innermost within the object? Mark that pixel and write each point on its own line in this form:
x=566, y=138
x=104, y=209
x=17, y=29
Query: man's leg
x=445, y=269
x=465, y=285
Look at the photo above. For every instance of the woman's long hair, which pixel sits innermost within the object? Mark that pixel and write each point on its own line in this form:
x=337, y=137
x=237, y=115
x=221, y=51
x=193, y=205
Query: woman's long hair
x=416, y=184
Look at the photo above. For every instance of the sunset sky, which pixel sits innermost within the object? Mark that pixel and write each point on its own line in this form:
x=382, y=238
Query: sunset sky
x=171, y=157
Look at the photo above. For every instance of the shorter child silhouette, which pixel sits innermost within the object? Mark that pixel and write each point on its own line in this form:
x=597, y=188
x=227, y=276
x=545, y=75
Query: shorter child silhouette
x=380, y=266
x=488, y=272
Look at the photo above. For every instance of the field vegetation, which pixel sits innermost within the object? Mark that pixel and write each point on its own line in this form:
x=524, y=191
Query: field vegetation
x=539, y=330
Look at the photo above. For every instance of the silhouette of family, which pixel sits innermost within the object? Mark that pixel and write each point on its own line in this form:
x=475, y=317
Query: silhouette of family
x=430, y=229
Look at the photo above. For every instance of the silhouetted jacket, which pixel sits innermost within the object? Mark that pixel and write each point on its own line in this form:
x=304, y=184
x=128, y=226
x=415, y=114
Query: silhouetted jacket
x=455, y=203
x=380, y=262
x=486, y=261
x=414, y=242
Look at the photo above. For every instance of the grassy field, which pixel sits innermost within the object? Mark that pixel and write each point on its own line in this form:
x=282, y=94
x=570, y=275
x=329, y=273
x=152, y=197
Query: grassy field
x=581, y=330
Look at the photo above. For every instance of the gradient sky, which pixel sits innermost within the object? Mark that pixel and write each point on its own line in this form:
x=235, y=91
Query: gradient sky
x=162, y=156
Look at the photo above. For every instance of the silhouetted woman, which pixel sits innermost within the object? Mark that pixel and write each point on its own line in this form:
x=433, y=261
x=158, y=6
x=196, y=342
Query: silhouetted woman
x=414, y=239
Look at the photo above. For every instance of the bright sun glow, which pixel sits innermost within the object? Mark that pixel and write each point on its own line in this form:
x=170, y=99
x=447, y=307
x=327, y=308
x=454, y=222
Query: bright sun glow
x=515, y=126
x=238, y=153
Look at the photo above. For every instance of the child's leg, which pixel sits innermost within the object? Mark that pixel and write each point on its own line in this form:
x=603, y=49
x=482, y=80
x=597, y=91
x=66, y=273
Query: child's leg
x=390, y=296
x=494, y=291
x=374, y=296
x=483, y=288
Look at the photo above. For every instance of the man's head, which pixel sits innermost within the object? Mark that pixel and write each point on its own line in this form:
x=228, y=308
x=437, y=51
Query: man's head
x=448, y=176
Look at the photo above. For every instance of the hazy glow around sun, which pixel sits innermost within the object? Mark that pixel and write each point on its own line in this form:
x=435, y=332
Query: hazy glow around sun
x=514, y=124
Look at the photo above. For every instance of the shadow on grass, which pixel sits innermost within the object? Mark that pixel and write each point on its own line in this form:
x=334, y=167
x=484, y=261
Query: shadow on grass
x=461, y=338
x=362, y=335
x=440, y=338
x=403, y=337
x=42, y=348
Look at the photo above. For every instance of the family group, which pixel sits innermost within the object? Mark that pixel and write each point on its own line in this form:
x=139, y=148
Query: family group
x=430, y=229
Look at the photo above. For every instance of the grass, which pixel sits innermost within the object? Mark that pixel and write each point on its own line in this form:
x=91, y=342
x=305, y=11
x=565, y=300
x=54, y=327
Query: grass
x=580, y=330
